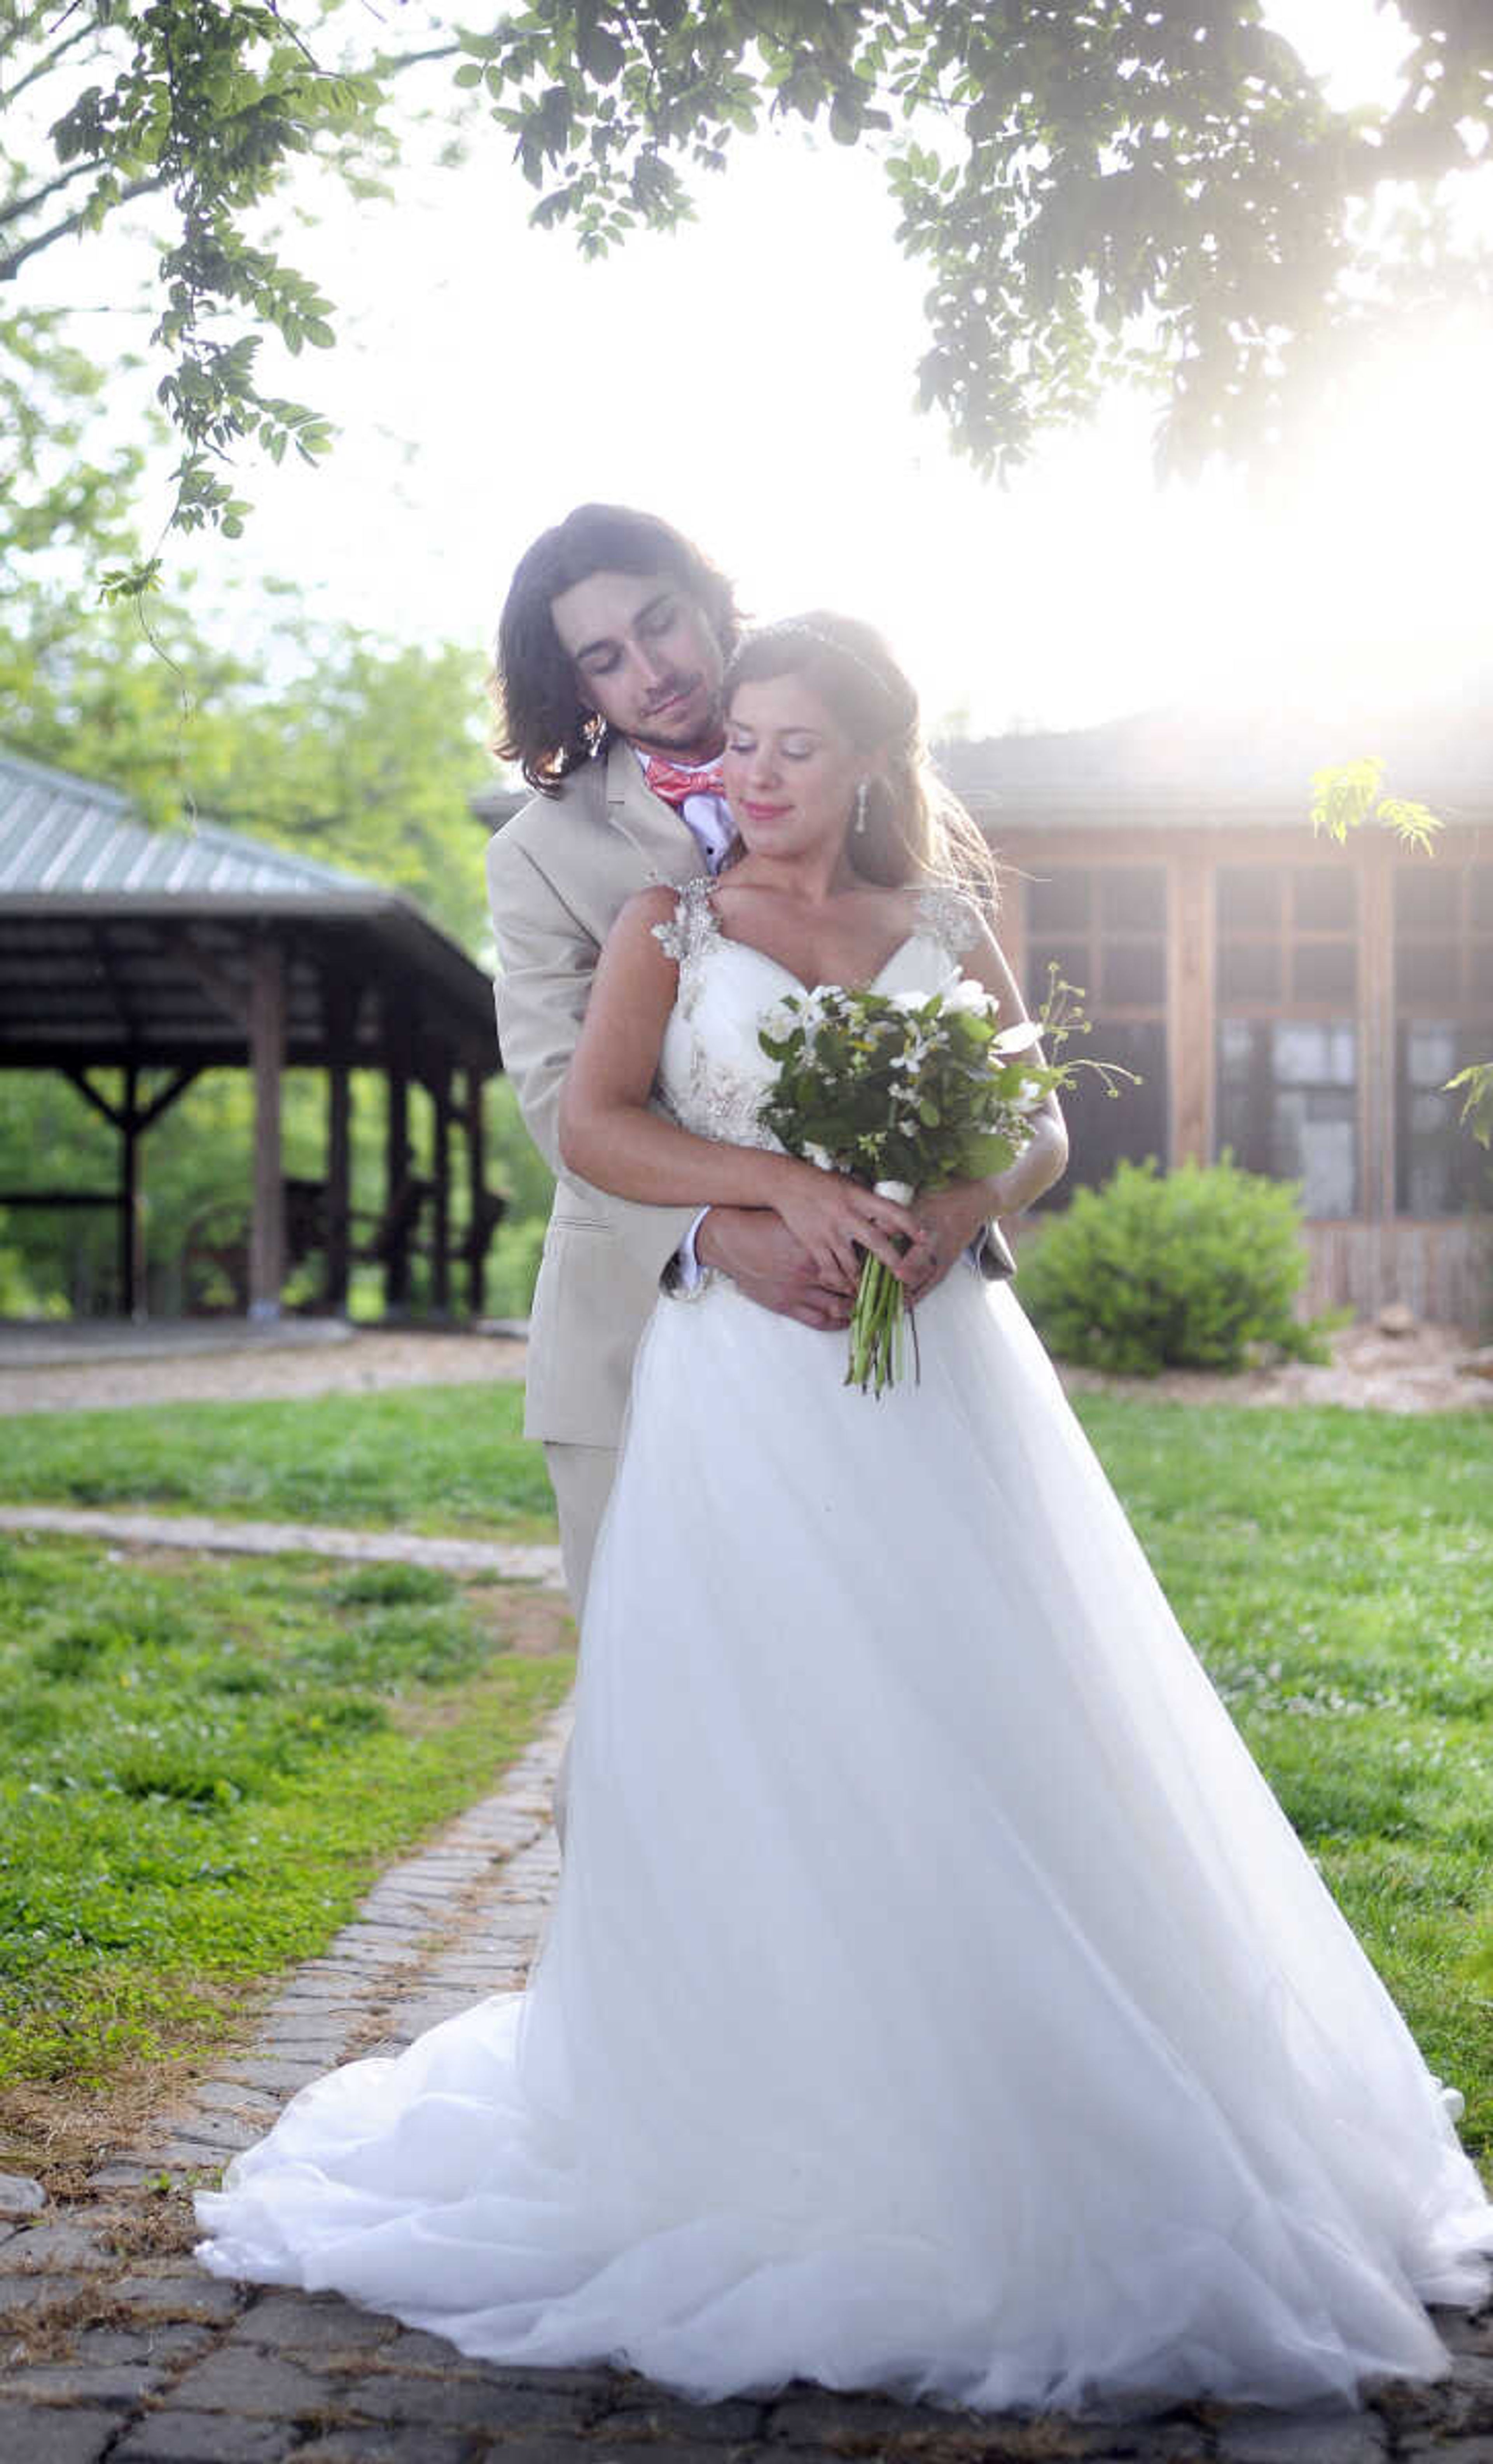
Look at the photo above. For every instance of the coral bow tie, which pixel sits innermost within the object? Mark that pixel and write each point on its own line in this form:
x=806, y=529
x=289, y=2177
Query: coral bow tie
x=674, y=785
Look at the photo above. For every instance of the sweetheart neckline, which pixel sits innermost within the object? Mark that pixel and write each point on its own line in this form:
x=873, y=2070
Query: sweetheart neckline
x=732, y=941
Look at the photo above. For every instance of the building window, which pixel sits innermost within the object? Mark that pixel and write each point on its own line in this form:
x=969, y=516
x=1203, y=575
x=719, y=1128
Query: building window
x=1103, y=929
x=1287, y=935
x=1443, y=994
x=1289, y=1105
x=1287, y=1044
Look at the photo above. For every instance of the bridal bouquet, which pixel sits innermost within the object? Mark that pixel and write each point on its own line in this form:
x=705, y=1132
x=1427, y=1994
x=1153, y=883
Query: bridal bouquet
x=907, y=1091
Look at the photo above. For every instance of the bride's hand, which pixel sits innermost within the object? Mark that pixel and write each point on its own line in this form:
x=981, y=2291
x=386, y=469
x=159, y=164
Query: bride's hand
x=835, y=1219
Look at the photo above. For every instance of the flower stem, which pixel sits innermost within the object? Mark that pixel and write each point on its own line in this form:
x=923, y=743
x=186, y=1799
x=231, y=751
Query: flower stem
x=877, y=1324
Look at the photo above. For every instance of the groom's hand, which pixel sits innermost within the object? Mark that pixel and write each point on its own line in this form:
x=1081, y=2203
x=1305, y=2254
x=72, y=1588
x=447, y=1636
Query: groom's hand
x=755, y=1247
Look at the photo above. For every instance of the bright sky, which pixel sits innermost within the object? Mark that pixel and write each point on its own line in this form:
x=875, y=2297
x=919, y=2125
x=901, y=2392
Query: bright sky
x=752, y=379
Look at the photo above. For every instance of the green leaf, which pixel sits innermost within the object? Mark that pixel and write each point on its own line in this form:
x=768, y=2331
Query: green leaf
x=600, y=53
x=1343, y=795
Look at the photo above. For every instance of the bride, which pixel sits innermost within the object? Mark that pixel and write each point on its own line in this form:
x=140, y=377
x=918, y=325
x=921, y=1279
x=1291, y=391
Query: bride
x=935, y=1999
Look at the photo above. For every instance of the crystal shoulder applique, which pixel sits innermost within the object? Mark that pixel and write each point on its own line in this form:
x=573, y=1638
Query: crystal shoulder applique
x=948, y=915
x=693, y=925
x=691, y=933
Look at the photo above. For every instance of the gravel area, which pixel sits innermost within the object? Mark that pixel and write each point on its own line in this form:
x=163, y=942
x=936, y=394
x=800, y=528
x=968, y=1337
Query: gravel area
x=1427, y=1369
x=122, y=1375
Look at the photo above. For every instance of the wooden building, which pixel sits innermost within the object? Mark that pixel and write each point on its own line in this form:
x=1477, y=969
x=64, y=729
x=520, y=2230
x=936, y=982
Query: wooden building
x=154, y=955
x=1297, y=1002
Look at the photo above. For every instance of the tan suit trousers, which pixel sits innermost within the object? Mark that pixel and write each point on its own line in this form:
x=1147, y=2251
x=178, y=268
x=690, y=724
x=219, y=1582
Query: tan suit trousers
x=581, y=1480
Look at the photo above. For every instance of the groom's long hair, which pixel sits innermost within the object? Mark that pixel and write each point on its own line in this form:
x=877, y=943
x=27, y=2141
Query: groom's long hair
x=542, y=722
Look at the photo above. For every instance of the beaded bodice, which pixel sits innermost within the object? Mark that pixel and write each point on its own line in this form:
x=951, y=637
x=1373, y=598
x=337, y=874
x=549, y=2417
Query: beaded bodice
x=712, y=1071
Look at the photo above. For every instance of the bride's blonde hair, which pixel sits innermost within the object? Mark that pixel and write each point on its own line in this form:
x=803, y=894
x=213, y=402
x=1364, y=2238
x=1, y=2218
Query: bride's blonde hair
x=916, y=831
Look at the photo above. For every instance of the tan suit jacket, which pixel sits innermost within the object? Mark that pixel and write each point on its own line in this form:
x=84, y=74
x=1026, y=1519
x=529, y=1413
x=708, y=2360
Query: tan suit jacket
x=557, y=874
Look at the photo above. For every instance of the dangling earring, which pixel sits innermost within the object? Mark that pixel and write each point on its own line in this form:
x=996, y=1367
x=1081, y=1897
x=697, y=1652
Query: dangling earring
x=862, y=797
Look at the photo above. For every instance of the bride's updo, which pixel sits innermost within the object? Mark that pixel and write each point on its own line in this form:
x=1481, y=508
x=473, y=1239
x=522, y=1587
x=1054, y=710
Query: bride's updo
x=915, y=829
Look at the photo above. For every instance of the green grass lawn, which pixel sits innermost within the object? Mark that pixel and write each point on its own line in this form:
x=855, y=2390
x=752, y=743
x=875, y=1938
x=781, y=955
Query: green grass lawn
x=1334, y=1570
x=205, y=1764
x=429, y=1458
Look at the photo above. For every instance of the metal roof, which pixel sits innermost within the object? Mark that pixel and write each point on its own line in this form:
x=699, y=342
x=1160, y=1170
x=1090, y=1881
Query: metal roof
x=61, y=837
x=1229, y=766
x=119, y=944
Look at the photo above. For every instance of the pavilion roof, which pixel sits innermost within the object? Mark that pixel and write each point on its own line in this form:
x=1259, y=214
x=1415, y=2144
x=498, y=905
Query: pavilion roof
x=66, y=837
x=121, y=944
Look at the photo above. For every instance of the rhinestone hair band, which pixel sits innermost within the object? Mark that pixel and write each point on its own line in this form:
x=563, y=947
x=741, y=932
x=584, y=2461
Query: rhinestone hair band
x=792, y=629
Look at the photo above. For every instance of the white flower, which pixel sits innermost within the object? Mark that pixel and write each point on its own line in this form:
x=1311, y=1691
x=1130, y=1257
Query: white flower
x=1019, y=1038
x=780, y=1021
x=820, y=1156
x=970, y=996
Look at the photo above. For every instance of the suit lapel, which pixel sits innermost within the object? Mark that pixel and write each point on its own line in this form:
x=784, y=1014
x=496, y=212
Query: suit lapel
x=660, y=837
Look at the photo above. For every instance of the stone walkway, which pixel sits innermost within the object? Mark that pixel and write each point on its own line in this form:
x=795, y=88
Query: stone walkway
x=512, y=1562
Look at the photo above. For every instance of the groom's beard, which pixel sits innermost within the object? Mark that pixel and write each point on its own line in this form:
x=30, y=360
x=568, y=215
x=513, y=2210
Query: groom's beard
x=689, y=738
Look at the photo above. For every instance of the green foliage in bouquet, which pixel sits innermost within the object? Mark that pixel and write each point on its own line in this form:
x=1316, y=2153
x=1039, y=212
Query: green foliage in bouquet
x=1195, y=1270
x=906, y=1092
x=888, y=1087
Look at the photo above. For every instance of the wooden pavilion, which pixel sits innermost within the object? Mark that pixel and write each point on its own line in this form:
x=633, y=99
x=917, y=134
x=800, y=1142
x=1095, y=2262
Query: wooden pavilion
x=1299, y=1003
x=159, y=956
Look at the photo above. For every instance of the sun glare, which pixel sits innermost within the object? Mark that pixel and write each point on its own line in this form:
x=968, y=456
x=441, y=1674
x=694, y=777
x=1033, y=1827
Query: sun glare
x=482, y=390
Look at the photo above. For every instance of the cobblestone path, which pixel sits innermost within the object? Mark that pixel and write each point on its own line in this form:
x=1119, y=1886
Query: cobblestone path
x=115, y=2349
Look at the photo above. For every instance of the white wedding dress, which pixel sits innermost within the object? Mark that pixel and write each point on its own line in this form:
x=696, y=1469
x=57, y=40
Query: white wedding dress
x=935, y=1999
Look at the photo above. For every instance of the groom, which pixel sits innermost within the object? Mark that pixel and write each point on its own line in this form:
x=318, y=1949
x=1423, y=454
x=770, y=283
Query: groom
x=612, y=649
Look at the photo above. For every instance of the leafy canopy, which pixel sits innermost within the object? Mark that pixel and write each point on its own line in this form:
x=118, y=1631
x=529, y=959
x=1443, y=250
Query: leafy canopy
x=205, y=109
x=1152, y=190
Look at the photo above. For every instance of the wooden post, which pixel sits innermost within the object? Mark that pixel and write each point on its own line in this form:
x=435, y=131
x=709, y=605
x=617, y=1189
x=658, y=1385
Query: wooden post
x=132, y=1119
x=341, y=999
x=131, y=1245
x=267, y=1062
x=440, y=1084
x=339, y=1184
x=476, y=1189
x=396, y=1168
x=1191, y=1028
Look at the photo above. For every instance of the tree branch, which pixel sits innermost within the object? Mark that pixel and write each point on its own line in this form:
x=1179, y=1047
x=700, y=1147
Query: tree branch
x=393, y=62
x=16, y=30
x=29, y=205
x=10, y=266
x=79, y=35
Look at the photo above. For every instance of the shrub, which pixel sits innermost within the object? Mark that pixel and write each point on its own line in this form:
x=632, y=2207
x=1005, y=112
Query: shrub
x=1188, y=1270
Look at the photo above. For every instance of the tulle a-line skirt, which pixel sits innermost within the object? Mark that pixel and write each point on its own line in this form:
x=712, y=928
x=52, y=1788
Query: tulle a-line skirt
x=935, y=1999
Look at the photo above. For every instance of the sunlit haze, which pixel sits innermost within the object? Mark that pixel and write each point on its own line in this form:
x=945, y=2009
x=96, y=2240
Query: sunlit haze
x=752, y=379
